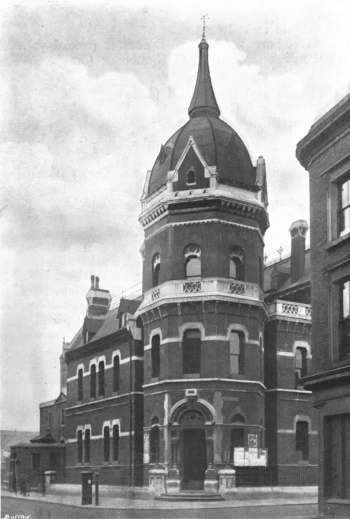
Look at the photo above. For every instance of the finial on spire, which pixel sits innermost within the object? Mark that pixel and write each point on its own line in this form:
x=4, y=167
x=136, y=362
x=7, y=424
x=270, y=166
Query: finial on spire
x=204, y=17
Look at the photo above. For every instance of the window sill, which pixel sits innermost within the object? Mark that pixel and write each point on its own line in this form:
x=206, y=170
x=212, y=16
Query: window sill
x=337, y=501
x=191, y=375
x=337, y=242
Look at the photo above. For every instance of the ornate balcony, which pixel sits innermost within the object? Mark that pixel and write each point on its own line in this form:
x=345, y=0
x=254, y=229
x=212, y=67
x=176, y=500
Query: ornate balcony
x=289, y=309
x=202, y=289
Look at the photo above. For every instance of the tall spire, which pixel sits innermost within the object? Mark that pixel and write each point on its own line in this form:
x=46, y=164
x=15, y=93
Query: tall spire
x=203, y=99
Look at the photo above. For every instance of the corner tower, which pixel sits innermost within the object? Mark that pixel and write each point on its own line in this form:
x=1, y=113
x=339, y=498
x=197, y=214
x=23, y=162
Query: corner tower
x=204, y=214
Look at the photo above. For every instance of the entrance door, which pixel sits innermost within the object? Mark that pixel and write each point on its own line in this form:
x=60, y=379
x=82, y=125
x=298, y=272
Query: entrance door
x=194, y=459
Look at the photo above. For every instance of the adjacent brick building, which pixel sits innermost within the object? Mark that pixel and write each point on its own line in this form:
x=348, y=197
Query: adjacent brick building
x=325, y=153
x=203, y=371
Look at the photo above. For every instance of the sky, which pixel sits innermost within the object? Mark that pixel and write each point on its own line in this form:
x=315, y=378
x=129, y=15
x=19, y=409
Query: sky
x=89, y=91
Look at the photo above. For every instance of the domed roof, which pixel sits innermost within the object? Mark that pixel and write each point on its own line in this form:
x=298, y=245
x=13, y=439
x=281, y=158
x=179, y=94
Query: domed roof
x=217, y=142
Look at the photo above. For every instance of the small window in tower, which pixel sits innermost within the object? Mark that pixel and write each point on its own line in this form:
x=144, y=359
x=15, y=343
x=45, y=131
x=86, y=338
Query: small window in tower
x=302, y=439
x=236, y=345
x=191, y=352
x=300, y=366
x=155, y=355
x=191, y=177
x=155, y=270
x=236, y=266
x=193, y=265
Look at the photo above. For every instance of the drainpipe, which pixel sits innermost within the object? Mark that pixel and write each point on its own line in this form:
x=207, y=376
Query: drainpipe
x=130, y=412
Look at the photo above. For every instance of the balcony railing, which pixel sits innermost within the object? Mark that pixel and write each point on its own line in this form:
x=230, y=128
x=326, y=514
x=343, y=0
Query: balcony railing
x=202, y=288
x=290, y=309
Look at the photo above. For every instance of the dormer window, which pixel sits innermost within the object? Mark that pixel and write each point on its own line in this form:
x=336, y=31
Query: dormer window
x=191, y=177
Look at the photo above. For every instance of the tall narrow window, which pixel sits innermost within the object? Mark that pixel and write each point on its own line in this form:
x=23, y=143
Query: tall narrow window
x=344, y=208
x=155, y=270
x=154, y=444
x=191, y=352
x=87, y=446
x=236, y=345
x=106, y=443
x=116, y=373
x=193, y=266
x=93, y=381
x=80, y=385
x=302, y=439
x=115, y=442
x=36, y=461
x=80, y=446
x=236, y=265
x=344, y=320
x=101, y=378
x=155, y=354
x=300, y=366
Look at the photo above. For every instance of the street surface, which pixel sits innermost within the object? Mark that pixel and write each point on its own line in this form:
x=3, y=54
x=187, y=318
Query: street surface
x=19, y=508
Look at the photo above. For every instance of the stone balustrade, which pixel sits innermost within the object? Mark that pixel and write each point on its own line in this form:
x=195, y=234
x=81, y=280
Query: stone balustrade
x=289, y=309
x=202, y=288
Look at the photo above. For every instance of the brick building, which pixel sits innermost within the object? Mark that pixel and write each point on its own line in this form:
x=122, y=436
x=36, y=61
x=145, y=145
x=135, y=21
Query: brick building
x=203, y=372
x=324, y=152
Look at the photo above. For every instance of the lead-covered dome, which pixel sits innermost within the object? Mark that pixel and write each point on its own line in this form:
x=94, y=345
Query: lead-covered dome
x=217, y=142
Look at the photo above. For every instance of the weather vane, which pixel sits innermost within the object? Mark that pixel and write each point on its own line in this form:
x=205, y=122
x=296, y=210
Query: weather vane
x=204, y=17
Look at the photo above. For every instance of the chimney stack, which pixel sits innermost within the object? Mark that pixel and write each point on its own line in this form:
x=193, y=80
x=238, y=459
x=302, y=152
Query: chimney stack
x=298, y=232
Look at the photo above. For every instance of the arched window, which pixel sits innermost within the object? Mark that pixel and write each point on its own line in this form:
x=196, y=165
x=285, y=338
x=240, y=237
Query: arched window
x=80, y=446
x=155, y=269
x=302, y=439
x=155, y=354
x=154, y=442
x=87, y=446
x=193, y=266
x=115, y=442
x=300, y=366
x=93, y=381
x=236, y=350
x=236, y=265
x=116, y=373
x=191, y=177
x=101, y=378
x=80, y=385
x=191, y=352
x=106, y=443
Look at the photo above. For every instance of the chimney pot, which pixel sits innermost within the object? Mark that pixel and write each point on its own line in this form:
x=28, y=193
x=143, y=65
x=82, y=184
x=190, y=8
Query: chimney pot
x=97, y=282
x=92, y=281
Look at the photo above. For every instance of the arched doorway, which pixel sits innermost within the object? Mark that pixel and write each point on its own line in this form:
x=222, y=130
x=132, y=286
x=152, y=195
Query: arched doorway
x=191, y=422
x=193, y=450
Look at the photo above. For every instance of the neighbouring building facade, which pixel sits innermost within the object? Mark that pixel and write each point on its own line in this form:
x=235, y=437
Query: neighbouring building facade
x=202, y=374
x=325, y=153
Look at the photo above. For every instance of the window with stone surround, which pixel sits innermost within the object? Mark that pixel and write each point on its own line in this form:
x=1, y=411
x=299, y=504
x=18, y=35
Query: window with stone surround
x=101, y=378
x=302, y=439
x=116, y=373
x=87, y=446
x=80, y=446
x=106, y=443
x=344, y=319
x=344, y=207
x=80, y=384
x=193, y=266
x=236, y=352
x=191, y=352
x=300, y=370
x=155, y=356
x=93, y=381
x=236, y=264
x=155, y=270
x=115, y=442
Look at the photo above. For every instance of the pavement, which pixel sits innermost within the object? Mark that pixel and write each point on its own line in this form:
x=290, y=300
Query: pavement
x=64, y=502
